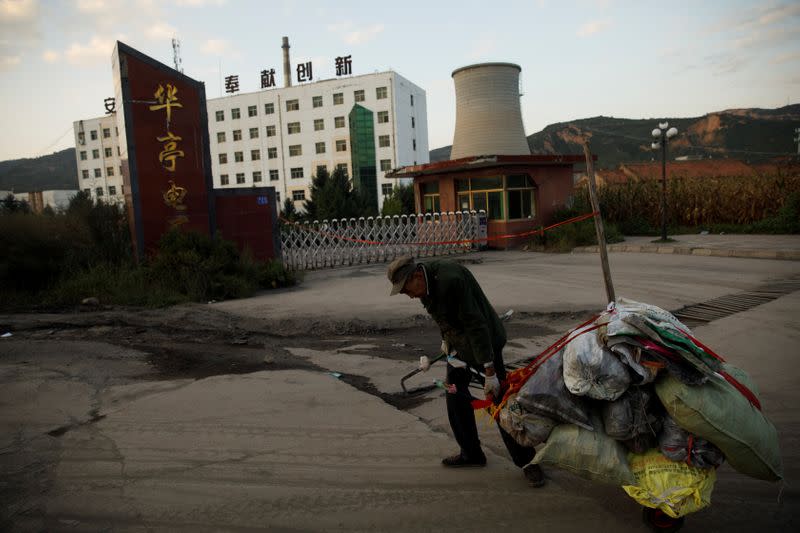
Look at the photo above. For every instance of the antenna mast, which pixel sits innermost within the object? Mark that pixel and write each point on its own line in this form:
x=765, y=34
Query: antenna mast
x=176, y=55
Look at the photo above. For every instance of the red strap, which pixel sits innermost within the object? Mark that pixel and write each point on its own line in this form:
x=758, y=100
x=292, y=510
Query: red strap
x=689, y=446
x=747, y=393
x=702, y=346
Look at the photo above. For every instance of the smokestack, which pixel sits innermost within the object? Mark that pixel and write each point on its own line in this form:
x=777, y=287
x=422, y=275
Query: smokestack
x=287, y=69
x=488, y=115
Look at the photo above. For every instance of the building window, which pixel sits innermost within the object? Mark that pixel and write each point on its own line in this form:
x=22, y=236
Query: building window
x=274, y=175
x=112, y=190
x=116, y=132
x=386, y=164
x=108, y=152
x=359, y=95
x=270, y=131
x=235, y=113
x=220, y=136
x=342, y=167
x=237, y=135
x=239, y=178
x=520, y=191
x=316, y=101
x=381, y=93
x=383, y=141
x=383, y=117
x=338, y=122
x=277, y=197
x=430, y=197
x=96, y=153
x=319, y=124
x=292, y=105
x=269, y=109
x=83, y=155
x=257, y=176
x=120, y=170
x=255, y=155
x=99, y=191
x=320, y=148
x=413, y=122
x=272, y=153
x=341, y=145
x=412, y=100
x=87, y=191
x=298, y=195
x=85, y=174
x=223, y=179
x=295, y=150
x=223, y=158
x=252, y=111
x=293, y=127
x=321, y=169
x=254, y=133
x=118, y=153
x=238, y=157
x=98, y=173
x=106, y=133
x=338, y=98
x=414, y=144
x=81, y=138
x=93, y=135
x=476, y=194
x=386, y=189
x=109, y=171
x=220, y=116
x=296, y=173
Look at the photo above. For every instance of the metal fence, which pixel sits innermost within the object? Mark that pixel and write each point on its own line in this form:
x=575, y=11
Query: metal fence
x=331, y=243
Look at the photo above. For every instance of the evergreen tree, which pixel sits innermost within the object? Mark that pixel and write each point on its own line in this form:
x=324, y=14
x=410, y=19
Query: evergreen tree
x=289, y=212
x=332, y=196
x=399, y=202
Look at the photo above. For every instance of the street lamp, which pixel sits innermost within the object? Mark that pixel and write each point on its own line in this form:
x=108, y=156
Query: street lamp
x=661, y=135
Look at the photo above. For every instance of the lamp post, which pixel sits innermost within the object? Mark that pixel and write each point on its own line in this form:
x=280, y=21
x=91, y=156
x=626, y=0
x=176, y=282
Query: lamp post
x=661, y=135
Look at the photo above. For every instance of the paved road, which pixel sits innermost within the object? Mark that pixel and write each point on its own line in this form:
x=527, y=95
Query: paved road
x=88, y=442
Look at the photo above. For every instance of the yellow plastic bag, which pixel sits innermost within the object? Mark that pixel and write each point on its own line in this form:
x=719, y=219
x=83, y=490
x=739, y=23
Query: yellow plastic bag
x=676, y=488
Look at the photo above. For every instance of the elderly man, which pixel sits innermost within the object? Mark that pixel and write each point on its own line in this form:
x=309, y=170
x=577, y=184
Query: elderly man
x=473, y=337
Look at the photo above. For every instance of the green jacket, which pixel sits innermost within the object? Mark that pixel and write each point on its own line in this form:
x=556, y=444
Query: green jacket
x=467, y=320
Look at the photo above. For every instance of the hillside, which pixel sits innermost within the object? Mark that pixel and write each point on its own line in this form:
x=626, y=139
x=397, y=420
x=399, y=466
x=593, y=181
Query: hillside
x=55, y=171
x=751, y=135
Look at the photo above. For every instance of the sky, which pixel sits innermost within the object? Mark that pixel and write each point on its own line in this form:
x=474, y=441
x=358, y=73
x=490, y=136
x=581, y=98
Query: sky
x=579, y=58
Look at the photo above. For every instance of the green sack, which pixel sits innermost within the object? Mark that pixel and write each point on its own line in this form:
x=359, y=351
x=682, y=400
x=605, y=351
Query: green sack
x=719, y=413
x=592, y=455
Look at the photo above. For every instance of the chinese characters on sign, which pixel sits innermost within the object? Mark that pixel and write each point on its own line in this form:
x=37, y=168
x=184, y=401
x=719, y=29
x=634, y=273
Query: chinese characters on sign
x=167, y=99
x=231, y=84
x=110, y=104
x=268, y=78
x=344, y=65
x=304, y=72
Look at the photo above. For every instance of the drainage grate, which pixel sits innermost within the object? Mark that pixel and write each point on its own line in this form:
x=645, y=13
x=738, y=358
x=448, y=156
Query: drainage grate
x=705, y=312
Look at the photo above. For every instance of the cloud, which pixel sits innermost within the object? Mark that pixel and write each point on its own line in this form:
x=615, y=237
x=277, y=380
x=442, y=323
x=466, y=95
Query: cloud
x=9, y=62
x=595, y=26
x=18, y=10
x=363, y=36
x=160, y=31
x=216, y=47
x=790, y=57
x=50, y=56
x=97, y=50
x=483, y=47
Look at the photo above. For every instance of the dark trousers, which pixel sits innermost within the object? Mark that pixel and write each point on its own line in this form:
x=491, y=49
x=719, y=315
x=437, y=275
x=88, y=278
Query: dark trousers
x=462, y=416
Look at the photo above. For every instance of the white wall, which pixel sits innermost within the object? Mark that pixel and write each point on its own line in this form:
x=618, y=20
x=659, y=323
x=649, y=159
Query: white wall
x=110, y=183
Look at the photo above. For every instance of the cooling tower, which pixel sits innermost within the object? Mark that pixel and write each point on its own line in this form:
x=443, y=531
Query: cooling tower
x=488, y=116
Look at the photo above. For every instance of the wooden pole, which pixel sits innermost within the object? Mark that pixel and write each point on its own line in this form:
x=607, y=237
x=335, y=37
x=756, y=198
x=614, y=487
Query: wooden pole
x=598, y=224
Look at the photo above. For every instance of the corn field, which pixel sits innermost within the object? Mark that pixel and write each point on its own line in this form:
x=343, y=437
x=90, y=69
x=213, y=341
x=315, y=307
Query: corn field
x=698, y=201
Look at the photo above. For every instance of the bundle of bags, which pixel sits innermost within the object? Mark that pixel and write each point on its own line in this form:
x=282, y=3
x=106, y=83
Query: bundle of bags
x=633, y=399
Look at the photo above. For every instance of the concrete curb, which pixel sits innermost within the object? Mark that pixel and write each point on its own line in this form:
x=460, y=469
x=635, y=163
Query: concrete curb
x=790, y=255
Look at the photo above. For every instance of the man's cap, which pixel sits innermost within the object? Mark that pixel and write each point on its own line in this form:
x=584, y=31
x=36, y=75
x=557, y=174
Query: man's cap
x=399, y=271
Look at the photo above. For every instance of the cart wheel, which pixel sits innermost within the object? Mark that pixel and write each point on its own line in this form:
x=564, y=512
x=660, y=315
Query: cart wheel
x=659, y=521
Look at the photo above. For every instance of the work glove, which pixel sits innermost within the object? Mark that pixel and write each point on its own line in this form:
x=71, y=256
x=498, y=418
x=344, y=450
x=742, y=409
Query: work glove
x=424, y=363
x=491, y=387
x=445, y=349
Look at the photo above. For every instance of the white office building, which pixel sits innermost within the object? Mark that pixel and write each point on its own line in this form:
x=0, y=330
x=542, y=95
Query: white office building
x=97, y=153
x=280, y=137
